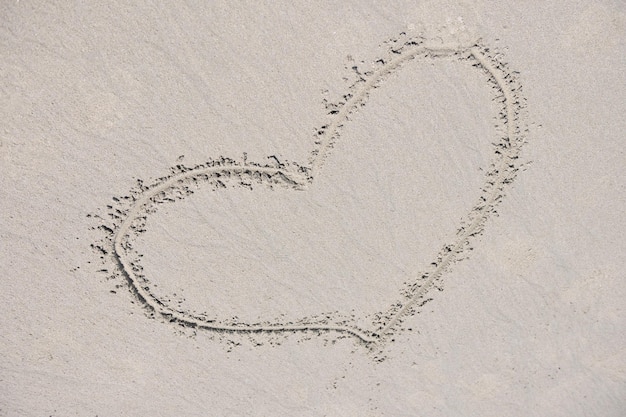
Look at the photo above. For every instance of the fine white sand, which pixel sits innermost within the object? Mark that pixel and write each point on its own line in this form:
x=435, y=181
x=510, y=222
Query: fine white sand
x=338, y=209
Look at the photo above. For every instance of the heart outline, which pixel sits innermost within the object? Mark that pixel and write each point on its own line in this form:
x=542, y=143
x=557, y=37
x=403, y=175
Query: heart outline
x=503, y=171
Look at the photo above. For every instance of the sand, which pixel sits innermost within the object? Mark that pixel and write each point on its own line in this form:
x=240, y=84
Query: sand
x=322, y=210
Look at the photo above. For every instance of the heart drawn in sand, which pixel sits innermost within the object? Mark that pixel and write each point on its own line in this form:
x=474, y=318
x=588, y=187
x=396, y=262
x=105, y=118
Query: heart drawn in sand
x=130, y=220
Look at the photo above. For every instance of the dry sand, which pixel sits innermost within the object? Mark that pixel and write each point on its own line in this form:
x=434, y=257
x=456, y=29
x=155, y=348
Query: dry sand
x=339, y=209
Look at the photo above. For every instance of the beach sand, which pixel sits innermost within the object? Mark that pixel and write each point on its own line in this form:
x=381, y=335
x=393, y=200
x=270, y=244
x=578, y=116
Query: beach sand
x=329, y=209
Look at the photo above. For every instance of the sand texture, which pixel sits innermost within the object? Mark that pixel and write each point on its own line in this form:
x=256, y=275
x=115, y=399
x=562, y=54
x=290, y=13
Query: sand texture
x=320, y=209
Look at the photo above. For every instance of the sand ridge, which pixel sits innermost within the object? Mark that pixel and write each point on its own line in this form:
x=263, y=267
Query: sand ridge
x=131, y=212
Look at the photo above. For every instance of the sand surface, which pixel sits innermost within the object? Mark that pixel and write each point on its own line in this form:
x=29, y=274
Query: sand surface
x=329, y=209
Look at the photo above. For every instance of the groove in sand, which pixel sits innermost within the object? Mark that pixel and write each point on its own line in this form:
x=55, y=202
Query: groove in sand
x=297, y=177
